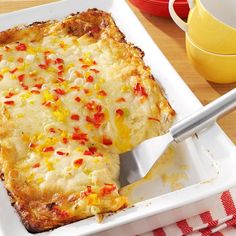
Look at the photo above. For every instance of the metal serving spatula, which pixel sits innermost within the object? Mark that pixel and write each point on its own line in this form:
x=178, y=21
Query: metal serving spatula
x=137, y=163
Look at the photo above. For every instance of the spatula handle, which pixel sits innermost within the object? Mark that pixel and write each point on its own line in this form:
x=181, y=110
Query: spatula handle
x=205, y=117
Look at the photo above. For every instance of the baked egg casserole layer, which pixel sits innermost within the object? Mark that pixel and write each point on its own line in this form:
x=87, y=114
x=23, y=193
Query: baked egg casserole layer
x=73, y=96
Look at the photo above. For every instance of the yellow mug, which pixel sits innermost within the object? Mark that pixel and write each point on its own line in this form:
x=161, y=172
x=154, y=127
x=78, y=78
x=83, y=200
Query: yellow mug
x=217, y=68
x=211, y=24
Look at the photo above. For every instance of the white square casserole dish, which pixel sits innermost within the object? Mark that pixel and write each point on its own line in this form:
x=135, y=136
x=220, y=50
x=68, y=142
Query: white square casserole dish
x=210, y=159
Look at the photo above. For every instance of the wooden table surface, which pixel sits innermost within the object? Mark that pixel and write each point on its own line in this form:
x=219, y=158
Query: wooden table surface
x=170, y=40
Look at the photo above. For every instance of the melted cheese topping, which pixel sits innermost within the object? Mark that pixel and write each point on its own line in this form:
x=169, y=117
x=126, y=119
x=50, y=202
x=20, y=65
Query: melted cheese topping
x=58, y=100
x=70, y=106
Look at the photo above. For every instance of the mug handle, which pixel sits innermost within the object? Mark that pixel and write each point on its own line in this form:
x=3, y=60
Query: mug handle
x=183, y=25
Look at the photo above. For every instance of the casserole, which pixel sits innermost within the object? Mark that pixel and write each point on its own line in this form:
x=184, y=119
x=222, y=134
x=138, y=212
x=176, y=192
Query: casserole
x=62, y=124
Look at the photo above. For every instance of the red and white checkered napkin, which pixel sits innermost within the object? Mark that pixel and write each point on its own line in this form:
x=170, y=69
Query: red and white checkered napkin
x=220, y=221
